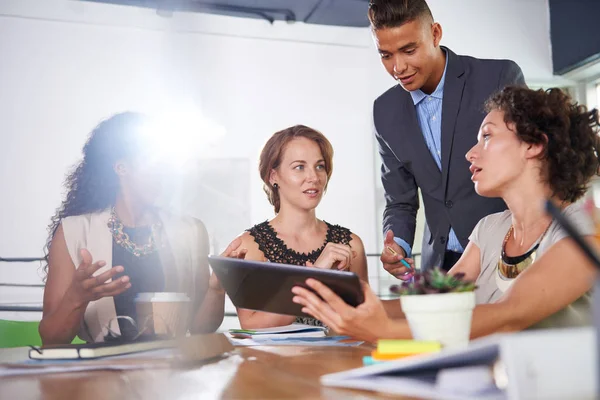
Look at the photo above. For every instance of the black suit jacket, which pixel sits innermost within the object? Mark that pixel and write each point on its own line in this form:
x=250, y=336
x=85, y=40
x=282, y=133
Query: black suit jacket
x=407, y=165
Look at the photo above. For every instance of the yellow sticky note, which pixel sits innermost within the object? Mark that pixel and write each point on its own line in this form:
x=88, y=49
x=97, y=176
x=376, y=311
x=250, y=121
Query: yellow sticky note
x=391, y=346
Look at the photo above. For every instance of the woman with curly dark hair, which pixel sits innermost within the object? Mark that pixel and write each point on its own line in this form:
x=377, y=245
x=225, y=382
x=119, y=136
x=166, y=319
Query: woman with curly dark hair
x=533, y=145
x=121, y=244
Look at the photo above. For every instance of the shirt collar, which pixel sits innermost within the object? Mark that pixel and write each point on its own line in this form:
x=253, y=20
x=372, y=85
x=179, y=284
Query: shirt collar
x=418, y=95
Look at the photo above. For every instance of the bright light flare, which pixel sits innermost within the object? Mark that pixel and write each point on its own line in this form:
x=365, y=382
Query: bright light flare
x=179, y=136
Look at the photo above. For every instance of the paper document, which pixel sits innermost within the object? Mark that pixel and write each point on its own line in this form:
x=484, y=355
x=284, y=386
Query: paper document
x=293, y=330
x=152, y=359
x=343, y=341
x=423, y=387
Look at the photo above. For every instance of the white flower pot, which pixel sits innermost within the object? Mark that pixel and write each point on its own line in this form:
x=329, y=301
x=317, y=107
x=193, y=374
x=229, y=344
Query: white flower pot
x=444, y=317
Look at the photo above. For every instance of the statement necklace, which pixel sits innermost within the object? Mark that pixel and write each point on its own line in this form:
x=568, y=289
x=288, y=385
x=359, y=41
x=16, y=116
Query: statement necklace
x=122, y=238
x=511, y=267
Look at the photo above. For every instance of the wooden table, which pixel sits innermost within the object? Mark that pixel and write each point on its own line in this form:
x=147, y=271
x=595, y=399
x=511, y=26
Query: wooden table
x=248, y=373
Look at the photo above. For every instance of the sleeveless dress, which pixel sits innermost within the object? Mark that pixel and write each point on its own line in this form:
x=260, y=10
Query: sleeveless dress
x=275, y=250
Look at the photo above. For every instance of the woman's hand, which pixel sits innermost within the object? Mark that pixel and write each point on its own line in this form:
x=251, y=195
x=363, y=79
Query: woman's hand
x=85, y=287
x=368, y=321
x=334, y=256
x=232, y=251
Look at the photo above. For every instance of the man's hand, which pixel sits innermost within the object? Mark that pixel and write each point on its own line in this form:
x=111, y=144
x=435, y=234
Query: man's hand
x=393, y=256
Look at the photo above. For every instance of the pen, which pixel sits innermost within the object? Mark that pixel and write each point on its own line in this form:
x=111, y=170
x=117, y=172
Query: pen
x=406, y=264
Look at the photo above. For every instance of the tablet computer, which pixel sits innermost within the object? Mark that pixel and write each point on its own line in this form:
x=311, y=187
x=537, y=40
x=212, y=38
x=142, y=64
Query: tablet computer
x=265, y=286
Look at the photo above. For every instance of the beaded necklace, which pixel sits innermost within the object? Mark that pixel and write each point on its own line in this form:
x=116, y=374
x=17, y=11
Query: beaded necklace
x=122, y=238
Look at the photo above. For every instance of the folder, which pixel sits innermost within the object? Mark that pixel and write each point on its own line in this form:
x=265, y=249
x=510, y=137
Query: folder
x=536, y=364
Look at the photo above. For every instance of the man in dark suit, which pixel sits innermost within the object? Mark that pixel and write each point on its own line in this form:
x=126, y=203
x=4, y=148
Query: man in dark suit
x=424, y=126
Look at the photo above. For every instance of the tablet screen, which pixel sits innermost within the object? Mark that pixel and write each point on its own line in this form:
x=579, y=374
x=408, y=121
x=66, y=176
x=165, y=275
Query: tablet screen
x=265, y=286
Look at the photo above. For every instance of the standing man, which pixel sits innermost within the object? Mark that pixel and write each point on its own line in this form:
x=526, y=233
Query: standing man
x=424, y=126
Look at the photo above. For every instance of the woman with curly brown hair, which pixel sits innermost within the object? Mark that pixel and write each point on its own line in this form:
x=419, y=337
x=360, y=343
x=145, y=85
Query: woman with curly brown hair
x=121, y=244
x=532, y=146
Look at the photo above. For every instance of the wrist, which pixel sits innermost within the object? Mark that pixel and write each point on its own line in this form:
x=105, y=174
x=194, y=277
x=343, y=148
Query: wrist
x=395, y=329
x=404, y=246
x=73, y=299
x=216, y=291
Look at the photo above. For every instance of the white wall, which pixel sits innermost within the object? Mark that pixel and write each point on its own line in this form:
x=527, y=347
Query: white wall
x=514, y=29
x=67, y=64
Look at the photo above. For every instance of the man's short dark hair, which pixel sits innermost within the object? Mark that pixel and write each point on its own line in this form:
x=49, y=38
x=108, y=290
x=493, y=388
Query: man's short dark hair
x=394, y=13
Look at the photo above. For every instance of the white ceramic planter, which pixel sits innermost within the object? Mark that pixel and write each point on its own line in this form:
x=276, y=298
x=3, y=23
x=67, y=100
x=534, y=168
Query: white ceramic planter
x=445, y=317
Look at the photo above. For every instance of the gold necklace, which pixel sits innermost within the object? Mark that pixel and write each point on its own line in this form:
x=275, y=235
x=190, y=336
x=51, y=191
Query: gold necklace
x=511, y=267
x=122, y=238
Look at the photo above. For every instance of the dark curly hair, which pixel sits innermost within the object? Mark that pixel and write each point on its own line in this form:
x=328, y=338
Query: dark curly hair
x=92, y=185
x=567, y=130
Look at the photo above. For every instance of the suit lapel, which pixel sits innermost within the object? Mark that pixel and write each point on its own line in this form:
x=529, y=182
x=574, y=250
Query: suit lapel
x=409, y=131
x=453, y=91
x=420, y=144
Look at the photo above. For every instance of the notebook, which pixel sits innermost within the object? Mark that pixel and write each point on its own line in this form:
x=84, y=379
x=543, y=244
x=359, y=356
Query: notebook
x=96, y=350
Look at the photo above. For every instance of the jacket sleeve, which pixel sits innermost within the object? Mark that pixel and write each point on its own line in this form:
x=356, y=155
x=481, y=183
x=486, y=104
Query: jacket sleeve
x=511, y=74
x=401, y=194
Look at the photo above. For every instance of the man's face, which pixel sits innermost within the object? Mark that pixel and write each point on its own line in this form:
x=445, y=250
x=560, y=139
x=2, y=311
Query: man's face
x=408, y=52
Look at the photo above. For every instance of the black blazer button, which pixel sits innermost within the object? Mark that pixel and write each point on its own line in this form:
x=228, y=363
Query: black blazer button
x=449, y=203
x=442, y=240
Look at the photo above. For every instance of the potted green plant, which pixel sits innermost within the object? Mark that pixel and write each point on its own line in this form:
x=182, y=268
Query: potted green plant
x=438, y=306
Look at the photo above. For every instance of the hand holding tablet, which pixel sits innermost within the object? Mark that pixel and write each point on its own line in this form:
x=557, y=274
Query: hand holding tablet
x=265, y=286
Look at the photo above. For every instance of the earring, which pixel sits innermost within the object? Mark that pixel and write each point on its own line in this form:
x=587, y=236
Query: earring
x=275, y=186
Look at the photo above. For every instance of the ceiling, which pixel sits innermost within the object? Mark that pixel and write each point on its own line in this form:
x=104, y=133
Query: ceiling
x=352, y=13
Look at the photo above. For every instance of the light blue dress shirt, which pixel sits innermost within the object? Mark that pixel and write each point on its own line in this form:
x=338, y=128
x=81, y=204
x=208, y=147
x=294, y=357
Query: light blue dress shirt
x=429, y=114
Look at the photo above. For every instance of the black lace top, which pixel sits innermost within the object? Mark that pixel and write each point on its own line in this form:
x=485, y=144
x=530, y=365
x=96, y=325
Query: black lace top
x=275, y=250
